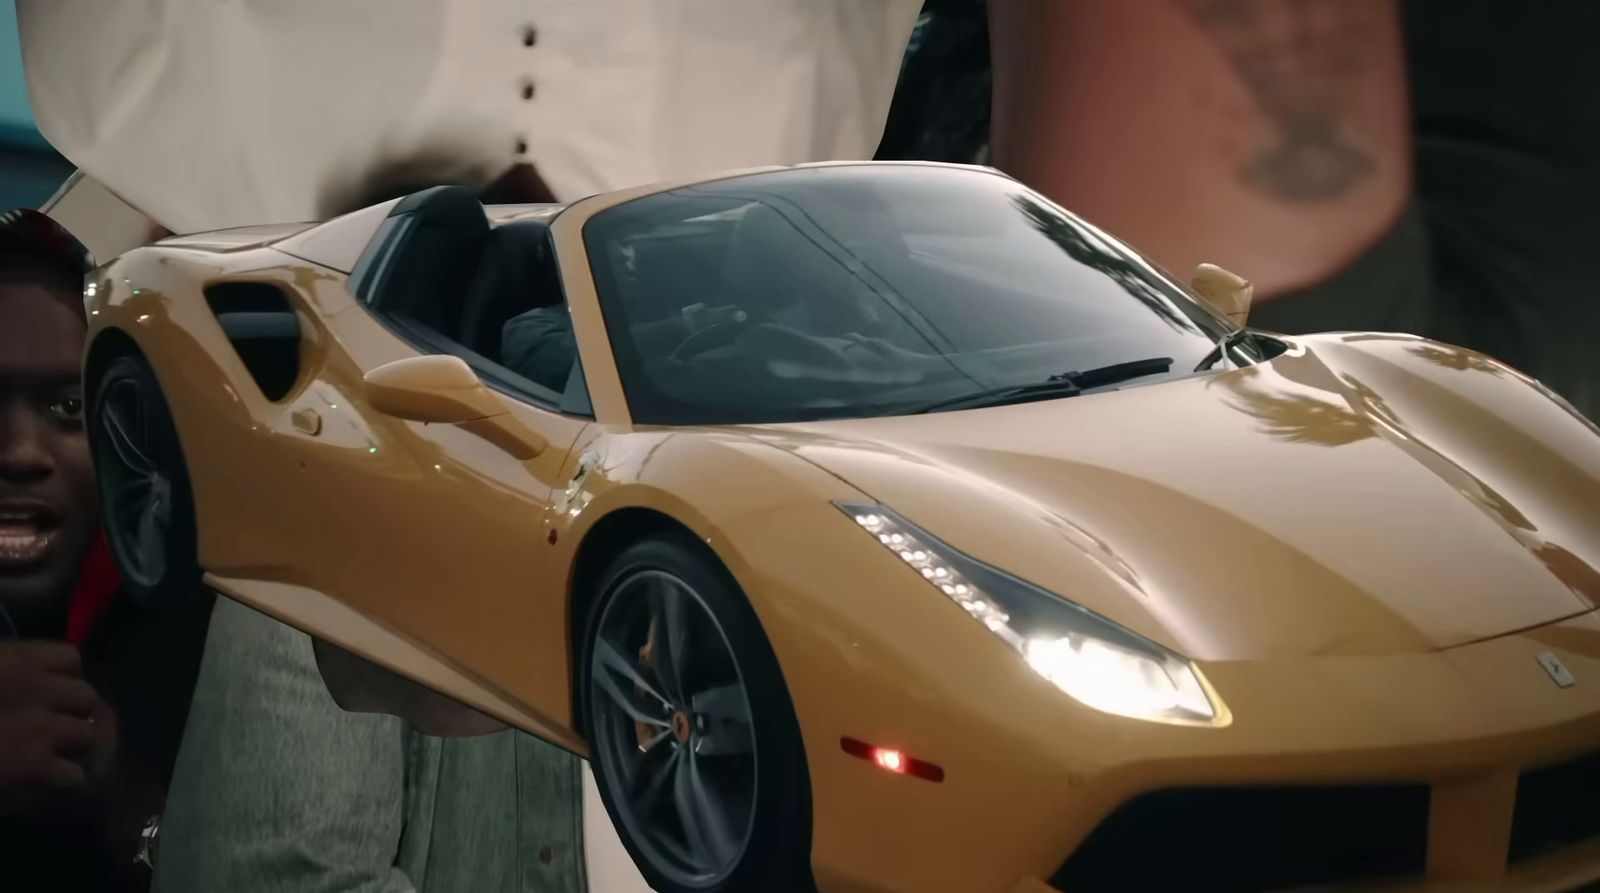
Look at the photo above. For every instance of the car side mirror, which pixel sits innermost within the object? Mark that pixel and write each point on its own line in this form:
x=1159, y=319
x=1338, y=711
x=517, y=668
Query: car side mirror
x=1227, y=293
x=442, y=389
x=437, y=388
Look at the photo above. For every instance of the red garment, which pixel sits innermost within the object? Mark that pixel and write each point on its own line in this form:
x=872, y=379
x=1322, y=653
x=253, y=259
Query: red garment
x=97, y=585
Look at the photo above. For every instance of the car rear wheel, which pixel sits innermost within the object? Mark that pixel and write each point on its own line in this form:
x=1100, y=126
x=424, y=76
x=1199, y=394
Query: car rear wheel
x=694, y=741
x=145, y=502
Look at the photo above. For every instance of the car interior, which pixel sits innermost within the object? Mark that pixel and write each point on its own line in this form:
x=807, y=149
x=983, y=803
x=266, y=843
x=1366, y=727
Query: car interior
x=448, y=280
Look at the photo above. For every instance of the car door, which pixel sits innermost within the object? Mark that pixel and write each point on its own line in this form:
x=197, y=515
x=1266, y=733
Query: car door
x=432, y=530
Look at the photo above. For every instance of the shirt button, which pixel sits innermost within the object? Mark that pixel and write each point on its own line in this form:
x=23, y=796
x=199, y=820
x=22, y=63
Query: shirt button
x=527, y=89
x=530, y=36
x=522, y=147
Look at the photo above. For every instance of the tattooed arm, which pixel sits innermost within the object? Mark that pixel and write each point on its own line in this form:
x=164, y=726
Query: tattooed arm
x=1270, y=136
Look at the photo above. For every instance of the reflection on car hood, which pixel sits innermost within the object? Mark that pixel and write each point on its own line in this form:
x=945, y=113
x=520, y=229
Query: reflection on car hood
x=1358, y=494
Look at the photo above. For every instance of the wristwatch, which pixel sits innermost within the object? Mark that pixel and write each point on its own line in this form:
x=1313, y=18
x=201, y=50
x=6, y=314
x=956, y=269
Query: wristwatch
x=149, y=836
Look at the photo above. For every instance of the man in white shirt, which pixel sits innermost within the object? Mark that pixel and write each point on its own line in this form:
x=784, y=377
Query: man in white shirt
x=205, y=115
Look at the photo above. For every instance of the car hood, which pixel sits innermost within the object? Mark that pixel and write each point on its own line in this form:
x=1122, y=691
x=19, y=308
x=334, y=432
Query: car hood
x=1358, y=494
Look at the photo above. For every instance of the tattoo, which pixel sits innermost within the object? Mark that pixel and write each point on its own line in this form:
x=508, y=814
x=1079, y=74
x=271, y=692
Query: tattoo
x=1305, y=63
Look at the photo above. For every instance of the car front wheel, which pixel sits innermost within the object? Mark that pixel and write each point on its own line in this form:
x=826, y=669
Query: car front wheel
x=693, y=737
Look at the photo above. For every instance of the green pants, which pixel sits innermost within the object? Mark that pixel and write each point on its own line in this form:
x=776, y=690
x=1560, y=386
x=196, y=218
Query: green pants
x=277, y=790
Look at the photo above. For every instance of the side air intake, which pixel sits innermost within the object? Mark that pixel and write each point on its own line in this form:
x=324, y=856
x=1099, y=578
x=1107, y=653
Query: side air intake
x=261, y=324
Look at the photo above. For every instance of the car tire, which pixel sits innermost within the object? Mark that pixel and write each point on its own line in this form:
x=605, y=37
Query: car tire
x=146, y=503
x=696, y=812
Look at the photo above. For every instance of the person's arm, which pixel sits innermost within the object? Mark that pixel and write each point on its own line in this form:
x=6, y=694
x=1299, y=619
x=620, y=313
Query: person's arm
x=540, y=346
x=276, y=789
x=1269, y=136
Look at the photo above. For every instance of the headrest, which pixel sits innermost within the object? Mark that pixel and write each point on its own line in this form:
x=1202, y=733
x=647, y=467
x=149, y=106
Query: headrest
x=448, y=206
x=517, y=273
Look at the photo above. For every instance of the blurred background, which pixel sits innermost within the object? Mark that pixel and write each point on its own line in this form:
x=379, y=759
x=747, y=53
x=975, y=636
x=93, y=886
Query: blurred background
x=29, y=169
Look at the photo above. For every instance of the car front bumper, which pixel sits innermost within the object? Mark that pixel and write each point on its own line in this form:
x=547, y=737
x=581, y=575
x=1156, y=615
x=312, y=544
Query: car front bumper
x=1030, y=775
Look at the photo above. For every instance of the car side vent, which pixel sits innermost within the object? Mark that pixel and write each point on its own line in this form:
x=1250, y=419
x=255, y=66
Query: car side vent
x=261, y=325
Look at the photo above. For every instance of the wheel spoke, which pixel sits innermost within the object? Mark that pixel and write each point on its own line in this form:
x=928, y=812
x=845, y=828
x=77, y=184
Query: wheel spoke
x=123, y=442
x=676, y=849
x=618, y=663
x=723, y=838
x=724, y=702
x=725, y=740
x=613, y=664
x=653, y=743
x=141, y=413
x=161, y=502
x=729, y=731
x=149, y=532
x=703, y=822
x=672, y=628
x=162, y=512
x=649, y=782
x=637, y=712
x=132, y=489
x=131, y=492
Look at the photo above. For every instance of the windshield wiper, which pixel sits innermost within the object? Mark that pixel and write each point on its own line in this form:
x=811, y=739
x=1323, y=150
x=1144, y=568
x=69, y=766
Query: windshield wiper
x=1063, y=384
x=1224, y=344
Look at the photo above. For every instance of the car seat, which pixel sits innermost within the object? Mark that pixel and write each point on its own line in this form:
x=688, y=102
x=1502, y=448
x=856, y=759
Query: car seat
x=517, y=273
x=419, y=262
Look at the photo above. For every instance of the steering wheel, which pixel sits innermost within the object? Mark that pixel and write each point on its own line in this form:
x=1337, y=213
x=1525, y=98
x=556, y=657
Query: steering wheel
x=772, y=341
x=785, y=343
x=711, y=337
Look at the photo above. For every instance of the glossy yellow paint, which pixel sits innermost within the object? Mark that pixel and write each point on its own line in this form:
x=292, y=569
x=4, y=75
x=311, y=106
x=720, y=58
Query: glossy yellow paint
x=1365, y=543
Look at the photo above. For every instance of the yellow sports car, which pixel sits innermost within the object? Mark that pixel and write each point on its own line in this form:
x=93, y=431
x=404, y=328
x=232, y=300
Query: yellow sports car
x=885, y=527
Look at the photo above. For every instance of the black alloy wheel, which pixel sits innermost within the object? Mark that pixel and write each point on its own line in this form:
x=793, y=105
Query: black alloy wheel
x=146, y=507
x=691, y=731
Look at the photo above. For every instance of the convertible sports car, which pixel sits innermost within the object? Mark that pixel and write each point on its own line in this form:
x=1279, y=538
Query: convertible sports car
x=888, y=528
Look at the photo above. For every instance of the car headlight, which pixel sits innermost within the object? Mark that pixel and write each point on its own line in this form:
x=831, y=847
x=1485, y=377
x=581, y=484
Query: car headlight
x=1097, y=662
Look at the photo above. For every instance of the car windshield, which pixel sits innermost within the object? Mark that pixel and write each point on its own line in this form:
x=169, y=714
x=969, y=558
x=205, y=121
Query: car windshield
x=871, y=290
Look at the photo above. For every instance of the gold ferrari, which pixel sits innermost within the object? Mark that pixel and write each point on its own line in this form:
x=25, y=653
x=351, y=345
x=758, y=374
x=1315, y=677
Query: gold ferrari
x=885, y=528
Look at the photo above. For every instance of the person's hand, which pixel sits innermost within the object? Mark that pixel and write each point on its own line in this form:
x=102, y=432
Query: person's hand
x=699, y=317
x=55, y=731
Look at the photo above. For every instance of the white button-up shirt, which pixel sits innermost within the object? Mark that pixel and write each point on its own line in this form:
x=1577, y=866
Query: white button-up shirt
x=207, y=114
